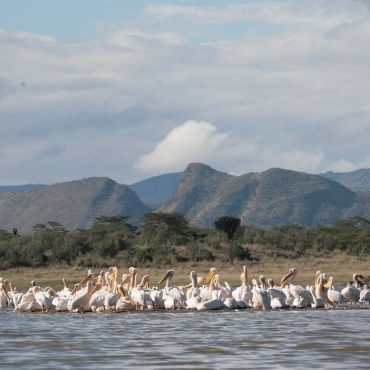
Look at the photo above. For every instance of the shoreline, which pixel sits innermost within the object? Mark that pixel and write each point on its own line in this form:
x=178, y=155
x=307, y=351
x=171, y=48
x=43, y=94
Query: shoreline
x=338, y=265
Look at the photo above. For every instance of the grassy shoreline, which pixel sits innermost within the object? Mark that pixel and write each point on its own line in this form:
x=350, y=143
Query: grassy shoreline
x=339, y=265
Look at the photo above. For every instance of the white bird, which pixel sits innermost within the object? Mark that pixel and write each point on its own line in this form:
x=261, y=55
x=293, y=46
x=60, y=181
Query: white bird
x=243, y=293
x=261, y=298
x=317, y=301
x=192, y=295
x=302, y=297
x=80, y=302
x=42, y=299
x=4, y=297
x=173, y=297
x=365, y=295
x=351, y=294
x=334, y=296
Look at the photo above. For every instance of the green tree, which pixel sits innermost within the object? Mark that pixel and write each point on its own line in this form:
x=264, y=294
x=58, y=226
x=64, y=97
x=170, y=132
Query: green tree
x=164, y=228
x=228, y=225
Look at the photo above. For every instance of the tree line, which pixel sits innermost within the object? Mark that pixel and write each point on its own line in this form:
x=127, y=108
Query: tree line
x=168, y=238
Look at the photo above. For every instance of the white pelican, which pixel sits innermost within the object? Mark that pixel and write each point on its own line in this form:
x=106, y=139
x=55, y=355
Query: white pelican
x=211, y=304
x=277, y=296
x=97, y=299
x=352, y=293
x=317, y=301
x=243, y=294
x=192, y=294
x=4, y=297
x=321, y=291
x=334, y=296
x=365, y=295
x=111, y=298
x=205, y=291
x=261, y=299
x=42, y=299
x=27, y=303
x=173, y=297
x=137, y=292
x=302, y=297
x=124, y=303
x=60, y=301
x=80, y=302
x=358, y=280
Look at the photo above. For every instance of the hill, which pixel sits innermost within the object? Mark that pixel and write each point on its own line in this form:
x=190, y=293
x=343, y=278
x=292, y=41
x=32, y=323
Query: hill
x=358, y=180
x=74, y=204
x=158, y=189
x=20, y=188
x=269, y=198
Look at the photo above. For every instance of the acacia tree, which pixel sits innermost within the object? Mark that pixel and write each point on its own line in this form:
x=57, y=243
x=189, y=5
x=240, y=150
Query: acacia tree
x=229, y=225
x=163, y=228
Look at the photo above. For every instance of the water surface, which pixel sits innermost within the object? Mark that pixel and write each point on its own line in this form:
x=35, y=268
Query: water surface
x=333, y=339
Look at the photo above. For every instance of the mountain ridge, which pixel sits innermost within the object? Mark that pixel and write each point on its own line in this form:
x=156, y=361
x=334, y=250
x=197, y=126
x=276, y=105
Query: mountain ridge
x=268, y=198
x=73, y=203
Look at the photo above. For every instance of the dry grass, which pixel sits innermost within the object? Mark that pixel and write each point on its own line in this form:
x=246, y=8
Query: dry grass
x=339, y=265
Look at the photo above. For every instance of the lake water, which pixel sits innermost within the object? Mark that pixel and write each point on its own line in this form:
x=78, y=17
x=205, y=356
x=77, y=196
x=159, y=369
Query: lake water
x=333, y=339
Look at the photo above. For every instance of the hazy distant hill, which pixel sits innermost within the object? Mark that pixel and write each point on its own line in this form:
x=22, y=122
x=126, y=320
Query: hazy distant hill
x=73, y=203
x=355, y=180
x=268, y=198
x=20, y=188
x=158, y=189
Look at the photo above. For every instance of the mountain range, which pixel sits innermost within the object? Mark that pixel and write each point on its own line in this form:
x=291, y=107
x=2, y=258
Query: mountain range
x=269, y=198
x=356, y=180
x=73, y=203
x=201, y=193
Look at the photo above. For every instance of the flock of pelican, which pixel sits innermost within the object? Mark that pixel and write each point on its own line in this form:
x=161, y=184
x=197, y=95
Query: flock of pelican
x=106, y=294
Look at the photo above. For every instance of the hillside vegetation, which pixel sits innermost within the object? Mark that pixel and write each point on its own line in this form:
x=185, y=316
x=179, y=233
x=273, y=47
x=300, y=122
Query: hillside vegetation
x=168, y=239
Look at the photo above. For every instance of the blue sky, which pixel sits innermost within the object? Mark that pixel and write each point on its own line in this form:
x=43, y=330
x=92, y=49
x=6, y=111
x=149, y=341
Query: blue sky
x=130, y=89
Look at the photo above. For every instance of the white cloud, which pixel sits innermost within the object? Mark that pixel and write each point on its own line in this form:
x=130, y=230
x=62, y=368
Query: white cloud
x=190, y=142
x=202, y=142
x=289, y=90
x=344, y=165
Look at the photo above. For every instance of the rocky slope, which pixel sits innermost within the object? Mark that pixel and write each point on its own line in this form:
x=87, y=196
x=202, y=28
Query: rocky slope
x=73, y=203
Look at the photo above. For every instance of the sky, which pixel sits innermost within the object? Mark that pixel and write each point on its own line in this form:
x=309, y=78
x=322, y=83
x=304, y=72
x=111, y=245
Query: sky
x=132, y=89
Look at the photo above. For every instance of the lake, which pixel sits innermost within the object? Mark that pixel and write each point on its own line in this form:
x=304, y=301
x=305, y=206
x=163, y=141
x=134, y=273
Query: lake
x=333, y=339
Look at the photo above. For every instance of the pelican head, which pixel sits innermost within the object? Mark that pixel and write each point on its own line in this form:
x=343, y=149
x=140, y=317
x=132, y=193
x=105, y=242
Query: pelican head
x=244, y=276
x=289, y=276
x=254, y=283
x=271, y=283
x=211, y=274
x=125, y=279
x=144, y=282
x=193, y=279
x=359, y=279
x=36, y=289
x=167, y=277
x=262, y=281
x=329, y=283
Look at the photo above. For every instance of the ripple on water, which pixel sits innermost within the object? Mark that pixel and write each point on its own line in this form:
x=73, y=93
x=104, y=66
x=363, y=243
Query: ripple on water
x=197, y=340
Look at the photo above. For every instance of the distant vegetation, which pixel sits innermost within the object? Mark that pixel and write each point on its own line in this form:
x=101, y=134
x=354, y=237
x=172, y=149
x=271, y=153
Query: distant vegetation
x=168, y=238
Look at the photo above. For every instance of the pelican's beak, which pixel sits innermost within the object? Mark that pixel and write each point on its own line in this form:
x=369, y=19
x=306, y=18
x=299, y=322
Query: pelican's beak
x=209, y=277
x=6, y=294
x=286, y=278
x=329, y=284
x=214, y=280
x=361, y=279
x=164, y=278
